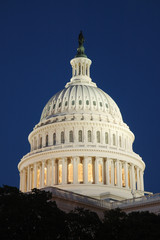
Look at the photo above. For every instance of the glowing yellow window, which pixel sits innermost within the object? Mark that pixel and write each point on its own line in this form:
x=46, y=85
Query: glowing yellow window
x=129, y=182
x=45, y=176
x=70, y=172
x=80, y=172
x=90, y=173
x=123, y=178
x=100, y=172
x=60, y=173
x=115, y=176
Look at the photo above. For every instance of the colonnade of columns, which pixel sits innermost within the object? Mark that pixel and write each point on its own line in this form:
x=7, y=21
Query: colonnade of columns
x=81, y=170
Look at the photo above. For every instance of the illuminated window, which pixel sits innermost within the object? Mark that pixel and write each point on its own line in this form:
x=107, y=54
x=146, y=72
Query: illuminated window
x=114, y=139
x=47, y=140
x=70, y=172
x=40, y=145
x=100, y=172
x=60, y=174
x=106, y=137
x=123, y=177
x=115, y=176
x=54, y=138
x=120, y=141
x=62, y=137
x=38, y=178
x=80, y=136
x=89, y=136
x=71, y=136
x=90, y=172
x=98, y=136
x=80, y=172
x=45, y=176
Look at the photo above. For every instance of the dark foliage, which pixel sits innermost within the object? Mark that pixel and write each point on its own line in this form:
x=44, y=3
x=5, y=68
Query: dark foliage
x=34, y=216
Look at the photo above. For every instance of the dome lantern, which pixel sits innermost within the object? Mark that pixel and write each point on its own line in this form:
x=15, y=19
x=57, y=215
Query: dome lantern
x=81, y=66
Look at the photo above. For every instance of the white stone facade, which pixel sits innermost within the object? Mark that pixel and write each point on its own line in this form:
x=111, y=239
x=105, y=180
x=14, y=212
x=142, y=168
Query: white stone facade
x=81, y=143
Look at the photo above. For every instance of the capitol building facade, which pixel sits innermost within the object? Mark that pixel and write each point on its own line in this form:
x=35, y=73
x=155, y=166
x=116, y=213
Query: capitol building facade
x=81, y=143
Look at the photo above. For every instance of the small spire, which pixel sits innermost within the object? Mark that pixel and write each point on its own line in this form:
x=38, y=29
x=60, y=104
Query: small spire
x=80, y=49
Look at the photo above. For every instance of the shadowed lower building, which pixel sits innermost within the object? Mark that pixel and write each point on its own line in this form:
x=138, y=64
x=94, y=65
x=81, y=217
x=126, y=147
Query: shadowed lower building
x=81, y=143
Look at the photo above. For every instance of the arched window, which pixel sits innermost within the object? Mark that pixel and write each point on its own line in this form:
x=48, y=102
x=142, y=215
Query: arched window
x=120, y=141
x=114, y=139
x=62, y=137
x=40, y=145
x=71, y=136
x=106, y=137
x=80, y=135
x=98, y=136
x=89, y=136
x=54, y=138
x=47, y=140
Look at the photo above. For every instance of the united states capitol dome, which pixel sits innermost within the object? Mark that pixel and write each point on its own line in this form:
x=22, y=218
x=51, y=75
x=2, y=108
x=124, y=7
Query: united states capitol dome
x=81, y=143
x=81, y=98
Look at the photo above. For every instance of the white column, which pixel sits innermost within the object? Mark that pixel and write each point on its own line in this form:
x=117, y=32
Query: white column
x=22, y=183
x=107, y=172
x=126, y=174
x=75, y=170
x=112, y=172
x=120, y=173
x=43, y=140
x=28, y=179
x=64, y=171
x=85, y=170
x=35, y=175
x=133, y=177
x=141, y=179
x=48, y=172
x=138, y=180
x=96, y=171
x=43, y=163
x=53, y=174
x=117, y=172
x=20, y=186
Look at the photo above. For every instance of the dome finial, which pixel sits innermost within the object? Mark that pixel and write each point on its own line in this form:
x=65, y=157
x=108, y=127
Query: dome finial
x=80, y=49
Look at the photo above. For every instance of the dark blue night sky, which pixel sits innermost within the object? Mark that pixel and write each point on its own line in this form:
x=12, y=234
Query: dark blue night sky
x=37, y=41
